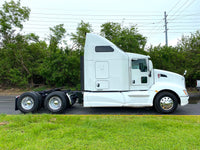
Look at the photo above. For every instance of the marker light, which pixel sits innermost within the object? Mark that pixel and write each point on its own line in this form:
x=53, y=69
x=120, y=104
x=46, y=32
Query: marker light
x=185, y=92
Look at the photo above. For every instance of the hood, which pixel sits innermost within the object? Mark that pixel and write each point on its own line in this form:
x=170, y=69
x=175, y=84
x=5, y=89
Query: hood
x=169, y=77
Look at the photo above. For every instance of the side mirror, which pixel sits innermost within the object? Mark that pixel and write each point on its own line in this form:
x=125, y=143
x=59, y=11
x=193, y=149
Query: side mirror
x=150, y=67
x=185, y=73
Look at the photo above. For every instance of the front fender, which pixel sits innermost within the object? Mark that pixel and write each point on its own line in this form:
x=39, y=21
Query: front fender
x=179, y=90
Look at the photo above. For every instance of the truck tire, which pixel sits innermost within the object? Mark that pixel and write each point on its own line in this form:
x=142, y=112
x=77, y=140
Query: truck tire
x=28, y=102
x=166, y=102
x=56, y=102
x=39, y=99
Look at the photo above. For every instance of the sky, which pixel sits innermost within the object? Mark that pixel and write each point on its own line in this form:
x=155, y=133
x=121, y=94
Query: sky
x=183, y=16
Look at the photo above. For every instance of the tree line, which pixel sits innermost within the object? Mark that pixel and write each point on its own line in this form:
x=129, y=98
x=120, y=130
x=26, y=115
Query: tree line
x=26, y=60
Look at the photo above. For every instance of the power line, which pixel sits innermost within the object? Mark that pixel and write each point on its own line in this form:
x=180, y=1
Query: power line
x=187, y=22
x=95, y=22
x=111, y=17
x=189, y=4
x=143, y=24
x=177, y=14
x=184, y=25
x=58, y=18
x=71, y=14
x=37, y=31
x=178, y=9
x=174, y=6
x=106, y=15
x=42, y=25
x=96, y=10
x=157, y=27
x=96, y=27
x=186, y=18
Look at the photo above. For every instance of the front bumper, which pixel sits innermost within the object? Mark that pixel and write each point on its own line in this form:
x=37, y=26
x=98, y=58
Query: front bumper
x=184, y=100
x=16, y=99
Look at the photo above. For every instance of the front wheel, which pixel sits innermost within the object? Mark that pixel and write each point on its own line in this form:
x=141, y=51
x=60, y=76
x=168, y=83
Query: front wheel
x=166, y=102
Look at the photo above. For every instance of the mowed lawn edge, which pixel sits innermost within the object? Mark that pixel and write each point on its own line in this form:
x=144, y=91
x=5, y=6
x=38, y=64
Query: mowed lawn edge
x=48, y=131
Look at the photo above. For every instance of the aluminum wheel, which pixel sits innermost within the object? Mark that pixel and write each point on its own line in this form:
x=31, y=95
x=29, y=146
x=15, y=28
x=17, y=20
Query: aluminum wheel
x=166, y=103
x=27, y=103
x=55, y=103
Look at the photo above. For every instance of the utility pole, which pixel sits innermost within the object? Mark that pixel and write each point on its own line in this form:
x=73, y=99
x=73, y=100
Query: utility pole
x=166, y=37
x=123, y=22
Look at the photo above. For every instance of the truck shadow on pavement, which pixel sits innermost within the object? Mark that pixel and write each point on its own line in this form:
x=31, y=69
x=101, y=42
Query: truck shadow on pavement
x=78, y=109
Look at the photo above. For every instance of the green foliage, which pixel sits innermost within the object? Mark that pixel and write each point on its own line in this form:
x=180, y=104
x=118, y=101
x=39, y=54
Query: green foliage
x=58, y=32
x=16, y=77
x=190, y=45
x=185, y=56
x=13, y=46
x=21, y=60
x=11, y=16
x=128, y=39
x=60, y=66
x=32, y=37
x=168, y=58
x=79, y=37
x=53, y=69
x=99, y=132
x=111, y=31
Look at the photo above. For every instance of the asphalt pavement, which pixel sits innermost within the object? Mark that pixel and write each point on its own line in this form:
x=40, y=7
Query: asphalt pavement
x=7, y=106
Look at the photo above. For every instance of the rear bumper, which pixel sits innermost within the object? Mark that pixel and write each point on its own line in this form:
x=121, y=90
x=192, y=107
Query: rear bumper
x=184, y=100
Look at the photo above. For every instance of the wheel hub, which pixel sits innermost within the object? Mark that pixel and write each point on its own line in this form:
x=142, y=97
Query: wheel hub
x=166, y=103
x=27, y=103
x=55, y=103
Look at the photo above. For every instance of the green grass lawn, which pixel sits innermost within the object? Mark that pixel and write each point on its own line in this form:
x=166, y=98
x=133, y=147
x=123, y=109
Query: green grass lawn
x=18, y=132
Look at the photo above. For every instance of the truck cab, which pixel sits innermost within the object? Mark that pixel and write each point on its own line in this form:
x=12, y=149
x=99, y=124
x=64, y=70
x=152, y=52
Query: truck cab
x=114, y=78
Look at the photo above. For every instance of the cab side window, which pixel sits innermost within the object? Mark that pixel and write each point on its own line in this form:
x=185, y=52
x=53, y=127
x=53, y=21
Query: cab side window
x=140, y=64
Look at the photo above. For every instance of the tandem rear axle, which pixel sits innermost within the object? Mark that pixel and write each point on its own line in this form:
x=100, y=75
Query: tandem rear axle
x=55, y=100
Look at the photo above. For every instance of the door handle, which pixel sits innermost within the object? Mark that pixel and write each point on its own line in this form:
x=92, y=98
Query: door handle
x=149, y=73
x=98, y=84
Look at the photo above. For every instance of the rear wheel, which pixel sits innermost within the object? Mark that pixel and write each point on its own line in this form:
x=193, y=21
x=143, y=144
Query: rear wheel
x=56, y=102
x=166, y=102
x=28, y=102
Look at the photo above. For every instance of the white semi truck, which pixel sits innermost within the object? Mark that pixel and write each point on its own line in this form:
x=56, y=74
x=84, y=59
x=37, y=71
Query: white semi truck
x=111, y=77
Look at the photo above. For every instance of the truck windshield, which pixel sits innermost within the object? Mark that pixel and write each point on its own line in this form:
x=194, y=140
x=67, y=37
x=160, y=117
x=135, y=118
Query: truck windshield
x=140, y=64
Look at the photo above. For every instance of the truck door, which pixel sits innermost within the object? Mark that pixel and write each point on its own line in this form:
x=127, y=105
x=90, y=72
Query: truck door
x=140, y=76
